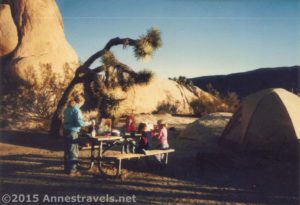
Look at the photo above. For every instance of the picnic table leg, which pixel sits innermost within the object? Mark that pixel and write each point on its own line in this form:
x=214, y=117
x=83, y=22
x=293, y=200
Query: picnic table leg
x=123, y=147
x=100, y=149
x=99, y=157
x=128, y=146
x=92, y=155
x=166, y=160
x=119, y=167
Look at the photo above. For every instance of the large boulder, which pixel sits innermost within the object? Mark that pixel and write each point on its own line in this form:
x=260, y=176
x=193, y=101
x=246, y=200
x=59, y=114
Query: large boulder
x=8, y=31
x=158, y=93
x=41, y=42
x=206, y=131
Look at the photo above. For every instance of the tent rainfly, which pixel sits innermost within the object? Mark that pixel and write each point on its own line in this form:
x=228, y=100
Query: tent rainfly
x=266, y=122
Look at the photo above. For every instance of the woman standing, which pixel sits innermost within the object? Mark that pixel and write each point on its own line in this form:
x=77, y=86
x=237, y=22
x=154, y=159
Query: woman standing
x=73, y=121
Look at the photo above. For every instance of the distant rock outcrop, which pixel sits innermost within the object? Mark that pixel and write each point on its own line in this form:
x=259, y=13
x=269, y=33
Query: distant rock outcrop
x=41, y=41
x=252, y=81
x=159, y=92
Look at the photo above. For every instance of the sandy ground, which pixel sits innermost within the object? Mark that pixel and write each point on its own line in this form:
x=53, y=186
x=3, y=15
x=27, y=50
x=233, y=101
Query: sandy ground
x=31, y=163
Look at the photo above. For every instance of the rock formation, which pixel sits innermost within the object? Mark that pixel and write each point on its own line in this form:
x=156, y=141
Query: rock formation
x=41, y=41
x=206, y=131
x=8, y=34
x=147, y=98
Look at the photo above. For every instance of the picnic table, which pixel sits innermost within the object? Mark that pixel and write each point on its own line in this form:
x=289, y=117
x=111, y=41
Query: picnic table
x=110, y=163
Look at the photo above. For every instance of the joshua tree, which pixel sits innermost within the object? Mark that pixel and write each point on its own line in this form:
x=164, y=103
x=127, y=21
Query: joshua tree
x=112, y=73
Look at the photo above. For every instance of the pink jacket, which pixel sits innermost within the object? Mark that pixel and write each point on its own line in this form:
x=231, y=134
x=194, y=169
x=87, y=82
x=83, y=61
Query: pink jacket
x=163, y=137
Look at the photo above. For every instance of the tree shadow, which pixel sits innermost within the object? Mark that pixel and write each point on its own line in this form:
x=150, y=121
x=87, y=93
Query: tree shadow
x=260, y=181
x=31, y=139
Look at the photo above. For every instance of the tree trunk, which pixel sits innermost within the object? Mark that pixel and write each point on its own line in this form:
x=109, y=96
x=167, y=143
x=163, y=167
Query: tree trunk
x=56, y=121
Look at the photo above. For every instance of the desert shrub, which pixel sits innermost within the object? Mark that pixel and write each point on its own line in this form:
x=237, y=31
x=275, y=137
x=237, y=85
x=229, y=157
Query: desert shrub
x=182, y=80
x=204, y=105
x=38, y=99
x=167, y=107
x=211, y=90
x=232, y=101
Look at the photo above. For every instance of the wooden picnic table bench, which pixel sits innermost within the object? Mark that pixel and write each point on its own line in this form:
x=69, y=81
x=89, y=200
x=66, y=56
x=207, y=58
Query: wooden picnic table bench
x=117, y=158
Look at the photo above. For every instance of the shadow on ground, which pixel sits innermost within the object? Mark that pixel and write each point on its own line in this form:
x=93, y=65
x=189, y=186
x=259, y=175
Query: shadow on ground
x=31, y=139
x=184, y=180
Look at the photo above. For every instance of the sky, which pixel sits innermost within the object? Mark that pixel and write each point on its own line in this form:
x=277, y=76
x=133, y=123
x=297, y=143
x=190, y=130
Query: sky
x=200, y=37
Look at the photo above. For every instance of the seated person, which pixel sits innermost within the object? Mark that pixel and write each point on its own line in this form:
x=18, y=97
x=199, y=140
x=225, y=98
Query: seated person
x=129, y=126
x=145, y=142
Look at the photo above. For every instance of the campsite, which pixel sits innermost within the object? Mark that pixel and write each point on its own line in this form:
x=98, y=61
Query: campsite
x=34, y=164
x=161, y=102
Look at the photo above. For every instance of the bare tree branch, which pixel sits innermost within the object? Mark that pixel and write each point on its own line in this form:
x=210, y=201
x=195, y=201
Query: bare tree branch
x=111, y=43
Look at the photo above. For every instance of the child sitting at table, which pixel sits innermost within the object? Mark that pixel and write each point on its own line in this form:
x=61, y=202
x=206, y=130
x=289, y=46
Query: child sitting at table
x=129, y=125
x=145, y=142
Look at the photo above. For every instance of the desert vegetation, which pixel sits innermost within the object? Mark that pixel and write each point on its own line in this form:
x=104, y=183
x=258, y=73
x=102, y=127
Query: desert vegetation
x=167, y=107
x=202, y=104
x=182, y=80
x=225, y=103
x=37, y=100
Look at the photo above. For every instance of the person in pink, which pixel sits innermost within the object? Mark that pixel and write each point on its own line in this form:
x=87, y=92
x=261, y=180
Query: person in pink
x=163, y=140
x=162, y=135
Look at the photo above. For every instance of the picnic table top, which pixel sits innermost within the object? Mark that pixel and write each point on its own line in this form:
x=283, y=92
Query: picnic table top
x=129, y=134
x=105, y=138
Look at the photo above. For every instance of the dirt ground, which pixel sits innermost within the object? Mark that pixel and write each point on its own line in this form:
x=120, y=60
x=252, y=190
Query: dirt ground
x=31, y=163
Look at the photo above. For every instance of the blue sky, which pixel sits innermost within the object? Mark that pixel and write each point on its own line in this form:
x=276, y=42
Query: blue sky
x=200, y=37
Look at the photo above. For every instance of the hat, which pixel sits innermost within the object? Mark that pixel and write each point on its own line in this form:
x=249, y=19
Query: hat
x=161, y=122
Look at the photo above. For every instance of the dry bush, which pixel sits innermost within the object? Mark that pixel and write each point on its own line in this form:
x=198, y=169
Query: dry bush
x=37, y=100
x=203, y=106
x=167, y=107
x=211, y=90
x=232, y=101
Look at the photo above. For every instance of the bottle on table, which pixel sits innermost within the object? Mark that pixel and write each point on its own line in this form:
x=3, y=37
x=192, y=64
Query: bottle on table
x=93, y=133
